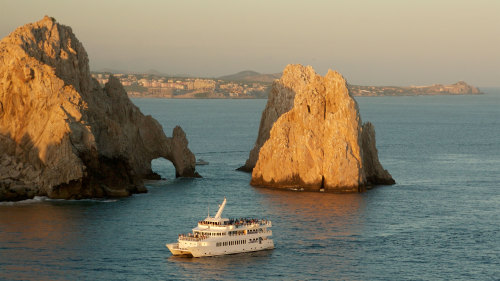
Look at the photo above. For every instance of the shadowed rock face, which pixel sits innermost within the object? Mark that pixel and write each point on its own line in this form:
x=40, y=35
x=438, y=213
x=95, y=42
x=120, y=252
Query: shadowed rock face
x=61, y=134
x=311, y=136
x=374, y=172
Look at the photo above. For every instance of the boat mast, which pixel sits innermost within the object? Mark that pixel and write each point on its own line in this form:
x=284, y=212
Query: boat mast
x=221, y=208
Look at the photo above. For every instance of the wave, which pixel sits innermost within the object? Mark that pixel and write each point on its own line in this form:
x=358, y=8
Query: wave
x=36, y=199
x=40, y=199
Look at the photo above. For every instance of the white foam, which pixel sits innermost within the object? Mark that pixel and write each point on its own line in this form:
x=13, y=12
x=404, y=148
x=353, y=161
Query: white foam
x=35, y=199
x=38, y=199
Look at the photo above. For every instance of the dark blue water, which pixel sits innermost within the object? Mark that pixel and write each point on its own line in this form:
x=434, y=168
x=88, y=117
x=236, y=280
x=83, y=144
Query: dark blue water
x=440, y=221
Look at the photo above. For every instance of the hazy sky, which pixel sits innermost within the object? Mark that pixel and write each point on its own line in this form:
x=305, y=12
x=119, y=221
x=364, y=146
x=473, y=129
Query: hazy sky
x=376, y=42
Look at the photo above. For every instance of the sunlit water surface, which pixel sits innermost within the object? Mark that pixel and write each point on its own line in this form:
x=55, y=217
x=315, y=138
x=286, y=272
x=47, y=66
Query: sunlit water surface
x=440, y=221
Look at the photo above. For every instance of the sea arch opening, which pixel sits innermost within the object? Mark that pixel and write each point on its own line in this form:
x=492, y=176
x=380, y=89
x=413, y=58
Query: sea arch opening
x=163, y=167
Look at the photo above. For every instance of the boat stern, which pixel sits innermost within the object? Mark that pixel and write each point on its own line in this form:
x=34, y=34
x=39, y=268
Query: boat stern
x=176, y=251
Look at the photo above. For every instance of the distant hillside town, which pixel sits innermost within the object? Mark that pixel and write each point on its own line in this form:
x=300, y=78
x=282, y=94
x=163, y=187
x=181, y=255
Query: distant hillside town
x=154, y=86
x=253, y=85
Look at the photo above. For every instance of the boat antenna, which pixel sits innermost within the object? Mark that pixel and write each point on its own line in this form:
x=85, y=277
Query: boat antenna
x=221, y=208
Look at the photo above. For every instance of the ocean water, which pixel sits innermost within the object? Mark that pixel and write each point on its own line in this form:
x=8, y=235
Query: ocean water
x=441, y=221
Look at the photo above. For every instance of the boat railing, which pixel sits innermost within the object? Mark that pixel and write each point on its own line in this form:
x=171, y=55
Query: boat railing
x=176, y=247
x=249, y=222
x=237, y=223
x=192, y=238
x=210, y=223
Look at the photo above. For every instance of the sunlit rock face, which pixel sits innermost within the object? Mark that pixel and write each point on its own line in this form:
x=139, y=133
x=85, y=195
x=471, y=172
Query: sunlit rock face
x=318, y=143
x=280, y=101
x=64, y=136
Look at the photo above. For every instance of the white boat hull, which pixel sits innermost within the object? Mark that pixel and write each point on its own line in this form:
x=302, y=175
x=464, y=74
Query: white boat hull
x=218, y=251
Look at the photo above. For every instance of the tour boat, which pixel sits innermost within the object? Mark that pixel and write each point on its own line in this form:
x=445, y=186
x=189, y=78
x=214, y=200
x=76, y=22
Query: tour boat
x=221, y=236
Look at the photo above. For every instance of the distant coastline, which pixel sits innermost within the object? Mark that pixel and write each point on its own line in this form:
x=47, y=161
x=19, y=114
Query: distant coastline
x=459, y=88
x=253, y=85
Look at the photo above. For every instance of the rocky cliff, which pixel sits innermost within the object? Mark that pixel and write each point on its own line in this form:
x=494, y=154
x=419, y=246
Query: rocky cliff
x=64, y=136
x=311, y=136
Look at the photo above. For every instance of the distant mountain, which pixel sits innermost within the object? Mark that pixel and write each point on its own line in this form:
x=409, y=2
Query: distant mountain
x=149, y=72
x=155, y=72
x=112, y=71
x=251, y=76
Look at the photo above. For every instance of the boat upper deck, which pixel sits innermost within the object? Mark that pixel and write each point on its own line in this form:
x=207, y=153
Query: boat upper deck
x=233, y=223
x=212, y=227
x=231, y=228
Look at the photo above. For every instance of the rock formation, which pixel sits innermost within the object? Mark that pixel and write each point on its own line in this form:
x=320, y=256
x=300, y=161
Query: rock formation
x=64, y=136
x=310, y=136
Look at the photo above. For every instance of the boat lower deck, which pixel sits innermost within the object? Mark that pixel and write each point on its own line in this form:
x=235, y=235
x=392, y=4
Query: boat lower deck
x=211, y=251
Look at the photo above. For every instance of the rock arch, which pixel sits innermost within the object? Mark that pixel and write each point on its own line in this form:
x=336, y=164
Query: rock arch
x=84, y=140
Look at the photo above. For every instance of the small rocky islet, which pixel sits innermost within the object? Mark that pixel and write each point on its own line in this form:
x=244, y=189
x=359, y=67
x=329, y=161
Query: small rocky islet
x=311, y=137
